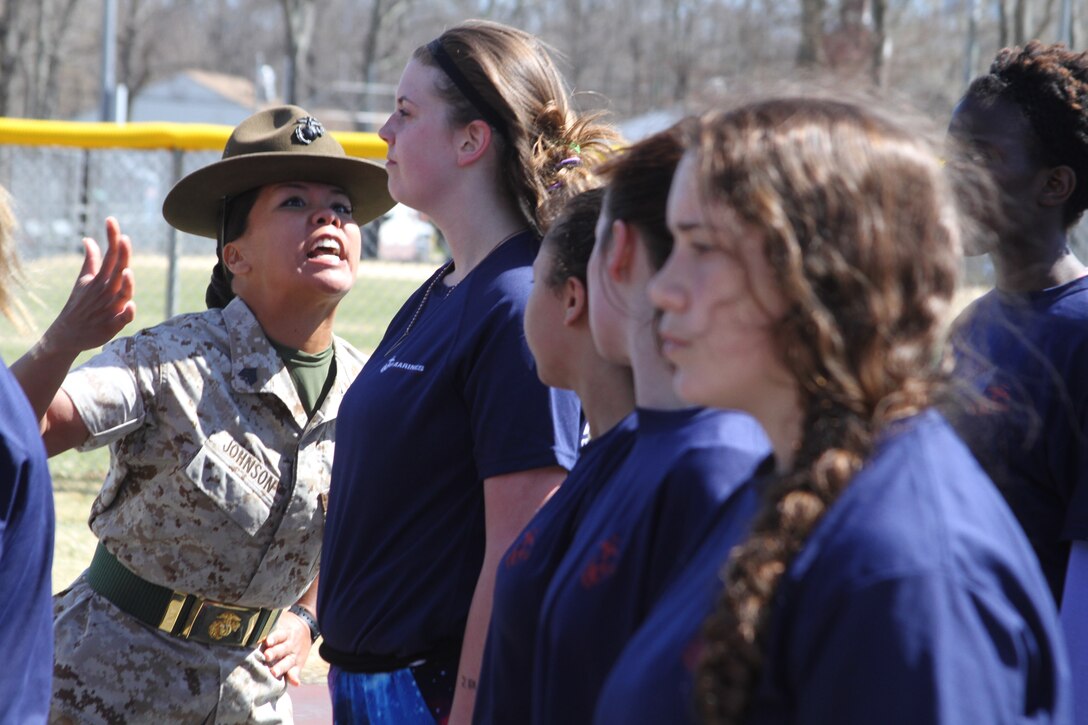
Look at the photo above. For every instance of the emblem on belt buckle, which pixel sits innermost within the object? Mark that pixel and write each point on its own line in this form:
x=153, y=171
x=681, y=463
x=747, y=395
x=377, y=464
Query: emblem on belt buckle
x=218, y=623
x=226, y=624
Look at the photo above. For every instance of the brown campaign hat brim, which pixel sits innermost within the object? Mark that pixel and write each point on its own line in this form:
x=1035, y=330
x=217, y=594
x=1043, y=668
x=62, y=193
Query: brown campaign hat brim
x=193, y=205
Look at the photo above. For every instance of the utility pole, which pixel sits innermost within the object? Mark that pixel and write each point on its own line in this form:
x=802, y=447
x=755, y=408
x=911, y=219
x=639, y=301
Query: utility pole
x=109, y=61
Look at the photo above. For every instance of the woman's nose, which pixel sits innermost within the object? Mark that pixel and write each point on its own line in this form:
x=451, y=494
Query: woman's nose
x=327, y=215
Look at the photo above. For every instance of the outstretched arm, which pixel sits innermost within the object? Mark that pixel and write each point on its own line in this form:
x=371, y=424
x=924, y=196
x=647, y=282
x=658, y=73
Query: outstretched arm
x=99, y=306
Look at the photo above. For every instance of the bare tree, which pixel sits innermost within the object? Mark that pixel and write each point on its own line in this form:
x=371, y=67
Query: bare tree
x=371, y=37
x=12, y=42
x=1017, y=22
x=53, y=22
x=134, y=46
x=679, y=21
x=1021, y=20
x=383, y=14
x=637, y=55
x=881, y=49
x=299, y=16
x=812, y=32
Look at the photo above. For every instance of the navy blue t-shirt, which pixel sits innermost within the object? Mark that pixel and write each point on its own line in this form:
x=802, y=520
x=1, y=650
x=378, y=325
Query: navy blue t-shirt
x=525, y=572
x=431, y=415
x=916, y=599
x=1028, y=356
x=640, y=530
x=26, y=560
x=652, y=680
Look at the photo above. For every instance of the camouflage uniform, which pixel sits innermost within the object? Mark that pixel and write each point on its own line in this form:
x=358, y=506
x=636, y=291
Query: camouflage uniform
x=216, y=487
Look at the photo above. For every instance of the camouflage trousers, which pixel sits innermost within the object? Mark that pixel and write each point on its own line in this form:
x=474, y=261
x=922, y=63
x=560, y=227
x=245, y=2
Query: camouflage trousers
x=111, y=668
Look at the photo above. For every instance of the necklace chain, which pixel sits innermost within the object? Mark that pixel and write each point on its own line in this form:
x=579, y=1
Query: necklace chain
x=442, y=272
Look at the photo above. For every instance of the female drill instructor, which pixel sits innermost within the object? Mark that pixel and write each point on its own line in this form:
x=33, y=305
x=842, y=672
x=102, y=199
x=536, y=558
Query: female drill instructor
x=220, y=426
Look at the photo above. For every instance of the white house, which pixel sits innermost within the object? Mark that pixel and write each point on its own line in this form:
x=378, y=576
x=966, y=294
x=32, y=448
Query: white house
x=191, y=96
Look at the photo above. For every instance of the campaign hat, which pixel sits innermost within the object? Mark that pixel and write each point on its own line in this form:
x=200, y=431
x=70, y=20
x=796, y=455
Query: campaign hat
x=279, y=144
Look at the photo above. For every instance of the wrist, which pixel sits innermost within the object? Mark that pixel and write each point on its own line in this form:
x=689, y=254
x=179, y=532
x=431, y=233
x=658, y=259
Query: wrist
x=306, y=616
x=52, y=345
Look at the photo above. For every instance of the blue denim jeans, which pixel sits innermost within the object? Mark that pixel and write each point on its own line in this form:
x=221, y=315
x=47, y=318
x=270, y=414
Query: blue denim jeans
x=392, y=698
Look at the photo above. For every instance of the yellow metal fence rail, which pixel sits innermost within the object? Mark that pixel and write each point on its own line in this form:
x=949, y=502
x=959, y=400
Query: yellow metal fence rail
x=67, y=176
x=151, y=135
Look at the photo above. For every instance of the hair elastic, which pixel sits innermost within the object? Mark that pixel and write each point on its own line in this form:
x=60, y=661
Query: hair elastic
x=454, y=73
x=565, y=163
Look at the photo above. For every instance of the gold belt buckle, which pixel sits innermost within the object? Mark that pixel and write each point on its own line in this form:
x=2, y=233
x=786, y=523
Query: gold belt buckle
x=217, y=623
x=173, y=611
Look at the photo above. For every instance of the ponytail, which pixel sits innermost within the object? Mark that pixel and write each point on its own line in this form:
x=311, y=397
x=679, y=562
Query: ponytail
x=233, y=218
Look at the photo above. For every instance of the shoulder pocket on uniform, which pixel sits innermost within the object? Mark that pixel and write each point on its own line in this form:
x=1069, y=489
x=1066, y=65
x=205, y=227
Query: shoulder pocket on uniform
x=243, y=489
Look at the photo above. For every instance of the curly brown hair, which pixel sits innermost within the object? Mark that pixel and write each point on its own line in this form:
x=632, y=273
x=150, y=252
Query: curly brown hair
x=860, y=227
x=1049, y=84
x=542, y=133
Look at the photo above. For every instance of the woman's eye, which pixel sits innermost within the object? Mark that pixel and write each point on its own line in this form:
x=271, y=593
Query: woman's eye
x=294, y=201
x=701, y=248
x=342, y=209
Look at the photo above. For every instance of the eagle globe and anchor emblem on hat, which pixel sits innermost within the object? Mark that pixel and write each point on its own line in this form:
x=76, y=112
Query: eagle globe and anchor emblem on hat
x=307, y=130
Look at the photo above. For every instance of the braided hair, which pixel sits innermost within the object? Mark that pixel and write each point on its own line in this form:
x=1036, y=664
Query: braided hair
x=1049, y=84
x=859, y=227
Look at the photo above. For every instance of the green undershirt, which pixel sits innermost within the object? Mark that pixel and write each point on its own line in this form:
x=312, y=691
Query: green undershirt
x=312, y=374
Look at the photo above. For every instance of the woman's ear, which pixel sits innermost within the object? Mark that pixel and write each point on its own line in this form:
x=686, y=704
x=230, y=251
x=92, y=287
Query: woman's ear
x=473, y=141
x=1059, y=186
x=235, y=259
x=574, y=302
x=619, y=259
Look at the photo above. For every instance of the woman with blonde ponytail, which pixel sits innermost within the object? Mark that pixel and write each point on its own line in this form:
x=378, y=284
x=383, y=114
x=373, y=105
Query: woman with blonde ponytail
x=881, y=578
x=451, y=442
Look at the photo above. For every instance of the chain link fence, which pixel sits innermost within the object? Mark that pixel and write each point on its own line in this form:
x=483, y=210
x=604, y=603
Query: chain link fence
x=65, y=192
x=66, y=178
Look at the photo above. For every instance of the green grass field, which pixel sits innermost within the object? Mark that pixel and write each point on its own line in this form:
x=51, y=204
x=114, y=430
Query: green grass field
x=362, y=319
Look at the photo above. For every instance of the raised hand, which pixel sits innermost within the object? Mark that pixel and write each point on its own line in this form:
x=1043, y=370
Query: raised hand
x=101, y=302
x=99, y=306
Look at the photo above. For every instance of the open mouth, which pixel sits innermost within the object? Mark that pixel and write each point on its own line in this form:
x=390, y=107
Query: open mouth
x=326, y=247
